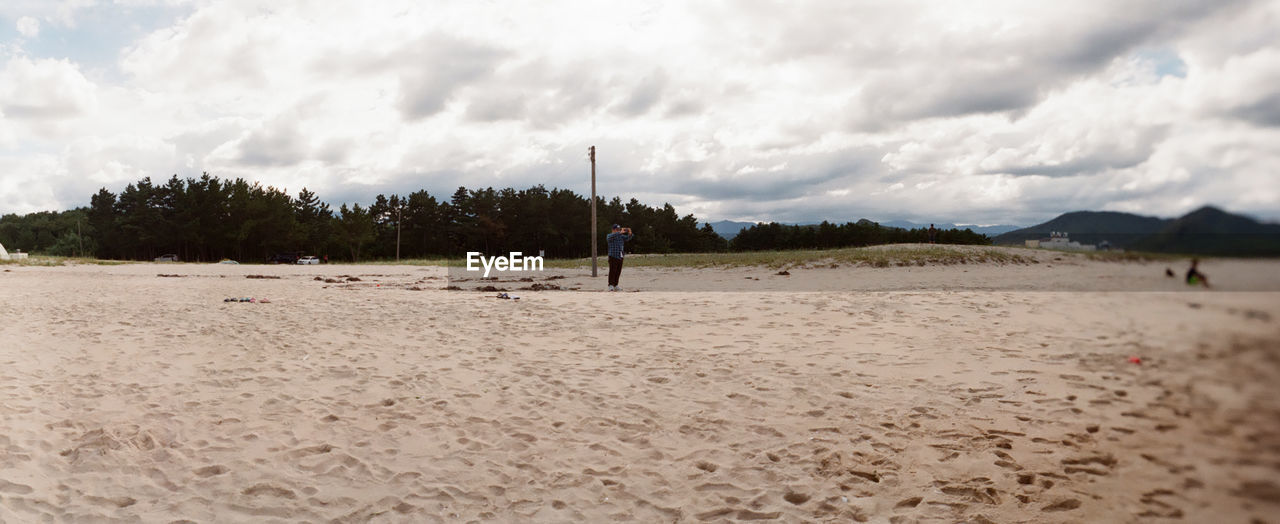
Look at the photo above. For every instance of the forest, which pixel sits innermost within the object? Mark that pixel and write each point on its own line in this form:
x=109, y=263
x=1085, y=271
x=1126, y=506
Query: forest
x=210, y=219
x=827, y=235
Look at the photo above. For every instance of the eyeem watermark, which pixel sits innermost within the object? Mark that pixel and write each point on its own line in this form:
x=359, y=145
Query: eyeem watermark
x=515, y=261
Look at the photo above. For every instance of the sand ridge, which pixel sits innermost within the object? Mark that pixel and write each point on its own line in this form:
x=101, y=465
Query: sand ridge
x=136, y=397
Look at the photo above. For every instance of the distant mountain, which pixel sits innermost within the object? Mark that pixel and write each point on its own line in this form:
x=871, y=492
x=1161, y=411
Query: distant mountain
x=1206, y=231
x=1090, y=227
x=729, y=229
x=1212, y=231
x=990, y=231
x=912, y=225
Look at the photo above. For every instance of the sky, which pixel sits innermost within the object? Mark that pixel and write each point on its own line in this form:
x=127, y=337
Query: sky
x=993, y=112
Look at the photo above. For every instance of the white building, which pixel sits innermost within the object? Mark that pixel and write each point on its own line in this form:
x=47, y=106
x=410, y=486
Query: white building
x=1060, y=240
x=5, y=255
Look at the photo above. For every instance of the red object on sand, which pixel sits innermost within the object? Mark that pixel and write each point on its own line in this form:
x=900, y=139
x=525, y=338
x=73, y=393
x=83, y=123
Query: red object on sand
x=1135, y=360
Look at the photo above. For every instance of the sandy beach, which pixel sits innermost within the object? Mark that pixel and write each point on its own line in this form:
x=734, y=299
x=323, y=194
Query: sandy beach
x=976, y=393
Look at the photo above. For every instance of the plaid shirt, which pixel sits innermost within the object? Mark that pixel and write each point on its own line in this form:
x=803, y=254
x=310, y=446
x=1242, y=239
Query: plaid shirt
x=615, y=241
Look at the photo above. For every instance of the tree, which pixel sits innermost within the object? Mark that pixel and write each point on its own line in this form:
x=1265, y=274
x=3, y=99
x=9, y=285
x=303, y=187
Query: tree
x=356, y=228
x=314, y=220
x=102, y=224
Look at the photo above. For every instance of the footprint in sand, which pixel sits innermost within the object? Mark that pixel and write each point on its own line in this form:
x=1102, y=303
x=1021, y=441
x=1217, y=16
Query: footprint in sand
x=1100, y=465
x=269, y=490
x=908, y=503
x=12, y=487
x=796, y=498
x=1062, y=505
x=118, y=502
x=210, y=471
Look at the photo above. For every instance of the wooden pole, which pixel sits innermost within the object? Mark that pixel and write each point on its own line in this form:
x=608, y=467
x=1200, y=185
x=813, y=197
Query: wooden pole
x=591, y=152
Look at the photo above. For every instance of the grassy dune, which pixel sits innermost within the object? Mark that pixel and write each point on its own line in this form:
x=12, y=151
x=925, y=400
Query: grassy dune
x=46, y=261
x=894, y=255
x=877, y=256
x=402, y=262
x=1132, y=256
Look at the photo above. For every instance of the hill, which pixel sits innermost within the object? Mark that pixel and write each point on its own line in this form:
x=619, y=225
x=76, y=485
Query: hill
x=1205, y=231
x=1090, y=227
x=1212, y=231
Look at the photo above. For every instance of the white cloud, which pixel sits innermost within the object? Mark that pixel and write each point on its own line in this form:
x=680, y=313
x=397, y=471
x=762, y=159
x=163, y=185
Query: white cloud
x=28, y=27
x=44, y=90
x=63, y=13
x=990, y=112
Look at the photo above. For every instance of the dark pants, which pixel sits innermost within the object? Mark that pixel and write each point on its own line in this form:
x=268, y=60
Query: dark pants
x=615, y=270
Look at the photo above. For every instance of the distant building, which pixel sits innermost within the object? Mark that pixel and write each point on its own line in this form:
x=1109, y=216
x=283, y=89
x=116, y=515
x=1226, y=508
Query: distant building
x=5, y=255
x=1060, y=240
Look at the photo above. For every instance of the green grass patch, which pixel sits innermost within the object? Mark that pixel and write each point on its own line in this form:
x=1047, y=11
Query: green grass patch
x=899, y=255
x=1132, y=256
x=876, y=256
x=403, y=262
x=51, y=261
x=1105, y=256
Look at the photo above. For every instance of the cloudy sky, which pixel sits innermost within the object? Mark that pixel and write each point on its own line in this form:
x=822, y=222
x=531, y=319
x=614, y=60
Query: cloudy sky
x=977, y=112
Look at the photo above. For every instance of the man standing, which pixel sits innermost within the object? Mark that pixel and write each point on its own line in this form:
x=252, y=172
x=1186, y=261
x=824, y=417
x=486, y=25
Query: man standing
x=933, y=234
x=616, y=239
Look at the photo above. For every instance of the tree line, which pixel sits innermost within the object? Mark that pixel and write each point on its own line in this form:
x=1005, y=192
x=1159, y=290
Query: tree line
x=209, y=219
x=775, y=236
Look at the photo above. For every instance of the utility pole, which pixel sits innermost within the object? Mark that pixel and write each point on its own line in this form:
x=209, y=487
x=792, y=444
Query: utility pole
x=591, y=153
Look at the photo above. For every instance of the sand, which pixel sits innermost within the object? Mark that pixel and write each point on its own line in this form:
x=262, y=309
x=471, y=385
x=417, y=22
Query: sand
x=935, y=394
